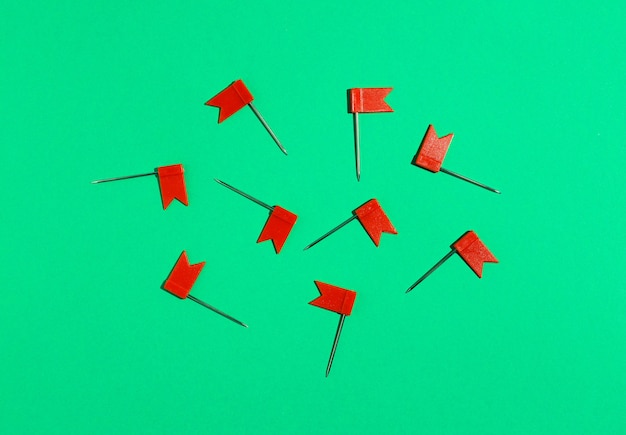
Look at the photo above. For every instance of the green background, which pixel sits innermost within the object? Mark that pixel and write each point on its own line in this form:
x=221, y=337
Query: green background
x=534, y=92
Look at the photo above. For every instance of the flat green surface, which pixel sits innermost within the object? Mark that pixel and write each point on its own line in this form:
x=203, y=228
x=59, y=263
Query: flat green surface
x=534, y=92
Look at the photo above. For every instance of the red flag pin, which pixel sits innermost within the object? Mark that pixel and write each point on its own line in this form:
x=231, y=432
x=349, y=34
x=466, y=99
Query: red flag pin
x=431, y=153
x=372, y=217
x=365, y=100
x=171, y=182
x=471, y=249
x=340, y=301
x=181, y=280
x=235, y=97
x=278, y=225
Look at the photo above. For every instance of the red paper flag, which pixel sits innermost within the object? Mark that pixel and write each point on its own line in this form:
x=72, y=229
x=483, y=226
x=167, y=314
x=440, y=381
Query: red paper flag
x=374, y=220
x=432, y=150
x=172, y=184
x=473, y=252
x=278, y=227
x=231, y=99
x=334, y=298
x=368, y=100
x=182, y=277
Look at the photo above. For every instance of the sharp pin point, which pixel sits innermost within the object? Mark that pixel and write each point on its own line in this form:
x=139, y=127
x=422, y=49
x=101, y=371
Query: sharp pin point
x=330, y=232
x=245, y=195
x=215, y=310
x=334, y=349
x=267, y=127
x=469, y=180
x=126, y=177
x=431, y=270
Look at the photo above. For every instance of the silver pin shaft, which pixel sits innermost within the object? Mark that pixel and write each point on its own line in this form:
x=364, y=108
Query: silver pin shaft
x=245, y=195
x=432, y=269
x=106, y=180
x=267, y=127
x=215, y=310
x=357, y=147
x=331, y=231
x=332, y=352
x=469, y=180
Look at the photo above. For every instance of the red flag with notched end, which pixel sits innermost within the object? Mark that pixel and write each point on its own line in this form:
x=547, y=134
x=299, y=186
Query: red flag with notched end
x=278, y=227
x=374, y=220
x=432, y=150
x=183, y=276
x=172, y=184
x=473, y=252
x=368, y=100
x=333, y=298
x=230, y=100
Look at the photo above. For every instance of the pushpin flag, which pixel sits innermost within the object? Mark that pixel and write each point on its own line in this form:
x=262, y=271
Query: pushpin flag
x=365, y=100
x=474, y=252
x=334, y=298
x=181, y=280
x=278, y=225
x=433, y=150
x=171, y=182
x=340, y=301
x=234, y=98
x=471, y=249
x=368, y=100
x=372, y=217
x=374, y=220
x=183, y=276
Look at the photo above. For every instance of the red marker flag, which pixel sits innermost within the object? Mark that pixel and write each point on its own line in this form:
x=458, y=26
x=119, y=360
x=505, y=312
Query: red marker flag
x=374, y=220
x=183, y=276
x=432, y=150
x=368, y=100
x=235, y=97
x=340, y=301
x=431, y=153
x=365, y=100
x=334, y=298
x=278, y=227
x=470, y=249
x=172, y=184
x=474, y=252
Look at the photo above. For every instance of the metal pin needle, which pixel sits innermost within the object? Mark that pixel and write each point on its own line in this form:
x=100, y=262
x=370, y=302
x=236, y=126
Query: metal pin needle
x=432, y=269
x=330, y=232
x=106, y=180
x=220, y=312
x=357, y=149
x=267, y=127
x=469, y=180
x=332, y=352
x=245, y=195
